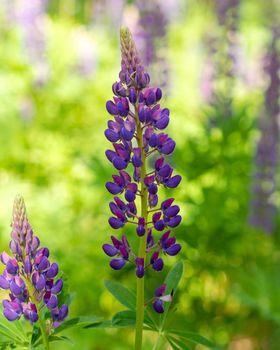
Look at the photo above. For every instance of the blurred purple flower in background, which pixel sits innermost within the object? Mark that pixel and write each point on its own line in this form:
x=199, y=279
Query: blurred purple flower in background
x=30, y=18
x=86, y=52
x=224, y=55
x=108, y=12
x=150, y=37
x=263, y=208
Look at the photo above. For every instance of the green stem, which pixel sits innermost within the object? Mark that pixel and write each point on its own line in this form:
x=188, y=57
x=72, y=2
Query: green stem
x=159, y=343
x=40, y=318
x=142, y=240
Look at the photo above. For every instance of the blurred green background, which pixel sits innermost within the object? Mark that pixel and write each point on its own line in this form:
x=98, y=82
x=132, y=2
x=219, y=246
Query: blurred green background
x=215, y=61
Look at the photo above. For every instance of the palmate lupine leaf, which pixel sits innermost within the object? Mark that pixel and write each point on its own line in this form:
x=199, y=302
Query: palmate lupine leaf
x=127, y=298
x=177, y=344
x=193, y=338
x=124, y=295
x=78, y=322
x=124, y=318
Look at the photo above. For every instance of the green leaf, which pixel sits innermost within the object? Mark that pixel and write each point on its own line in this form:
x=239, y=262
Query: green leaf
x=78, y=322
x=9, y=334
x=35, y=334
x=125, y=296
x=54, y=338
x=100, y=325
x=194, y=338
x=171, y=342
x=173, y=277
x=177, y=342
x=124, y=318
x=172, y=281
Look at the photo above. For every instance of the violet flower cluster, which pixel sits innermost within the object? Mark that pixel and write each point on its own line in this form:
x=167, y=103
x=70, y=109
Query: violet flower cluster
x=264, y=186
x=151, y=39
x=29, y=276
x=137, y=136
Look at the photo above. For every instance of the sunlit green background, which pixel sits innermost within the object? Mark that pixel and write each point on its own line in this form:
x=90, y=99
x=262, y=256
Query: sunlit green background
x=52, y=152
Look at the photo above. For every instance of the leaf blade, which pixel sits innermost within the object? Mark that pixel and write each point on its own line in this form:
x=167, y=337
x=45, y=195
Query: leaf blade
x=194, y=338
x=124, y=295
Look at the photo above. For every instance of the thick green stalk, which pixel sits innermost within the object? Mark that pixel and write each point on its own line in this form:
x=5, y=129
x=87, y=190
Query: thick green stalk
x=142, y=240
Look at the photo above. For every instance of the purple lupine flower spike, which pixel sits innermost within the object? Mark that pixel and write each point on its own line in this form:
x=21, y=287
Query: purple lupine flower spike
x=136, y=130
x=28, y=274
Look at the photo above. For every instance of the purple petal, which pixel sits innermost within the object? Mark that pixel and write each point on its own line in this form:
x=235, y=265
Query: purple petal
x=113, y=188
x=173, y=181
x=172, y=211
x=27, y=265
x=117, y=264
x=153, y=141
x=52, y=303
x=162, y=123
x=41, y=283
x=167, y=203
x=132, y=95
x=111, y=135
x=168, y=147
x=174, y=221
x=111, y=108
x=130, y=196
x=165, y=171
x=153, y=188
x=110, y=250
x=126, y=134
x=12, y=266
x=159, y=225
x=153, y=200
x=63, y=312
x=136, y=161
x=140, y=271
x=16, y=289
x=5, y=258
x=110, y=155
x=119, y=163
x=158, y=306
x=53, y=271
x=56, y=289
x=158, y=265
x=44, y=264
x=160, y=290
x=173, y=250
x=140, y=230
x=115, y=223
x=156, y=216
x=4, y=284
x=11, y=315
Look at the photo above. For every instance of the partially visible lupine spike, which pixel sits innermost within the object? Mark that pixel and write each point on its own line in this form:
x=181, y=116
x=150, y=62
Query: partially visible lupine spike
x=263, y=207
x=29, y=275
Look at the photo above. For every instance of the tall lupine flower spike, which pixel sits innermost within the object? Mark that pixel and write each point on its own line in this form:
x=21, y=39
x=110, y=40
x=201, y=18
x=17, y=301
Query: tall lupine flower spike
x=136, y=133
x=30, y=278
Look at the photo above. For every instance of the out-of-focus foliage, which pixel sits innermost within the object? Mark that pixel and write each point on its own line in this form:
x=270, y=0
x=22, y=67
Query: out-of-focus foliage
x=52, y=152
